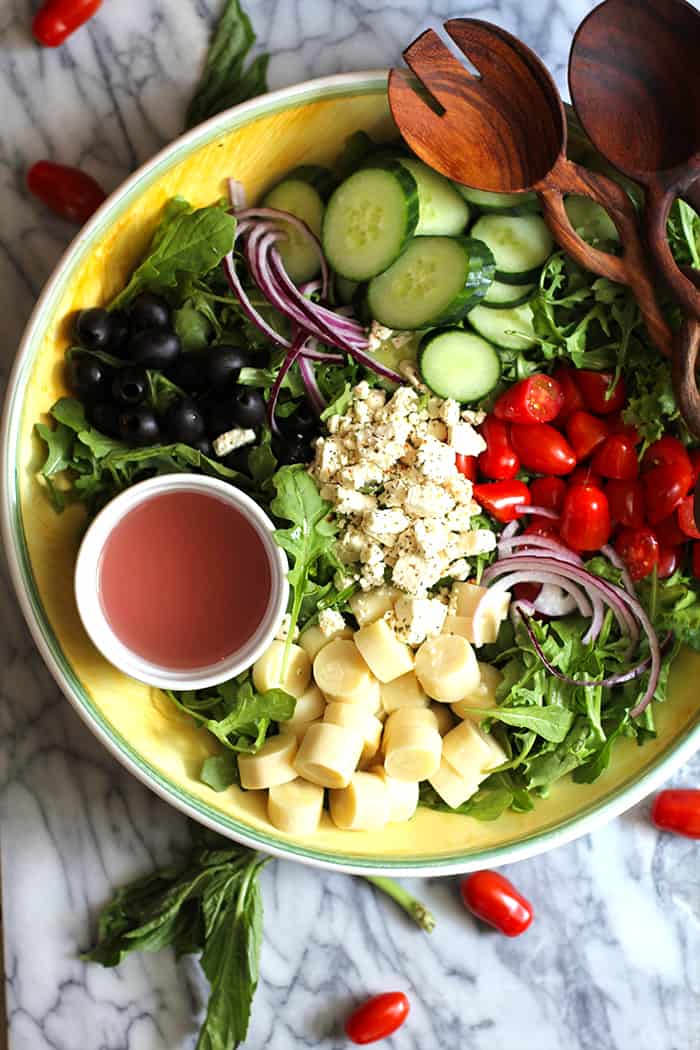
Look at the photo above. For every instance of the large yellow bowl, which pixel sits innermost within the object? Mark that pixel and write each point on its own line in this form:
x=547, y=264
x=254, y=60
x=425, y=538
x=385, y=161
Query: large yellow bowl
x=256, y=142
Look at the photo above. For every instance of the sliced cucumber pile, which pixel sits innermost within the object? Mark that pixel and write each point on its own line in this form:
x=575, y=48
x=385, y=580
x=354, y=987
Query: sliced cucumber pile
x=436, y=280
x=590, y=220
x=502, y=296
x=368, y=220
x=301, y=198
x=508, y=329
x=520, y=244
x=459, y=364
x=501, y=203
x=441, y=210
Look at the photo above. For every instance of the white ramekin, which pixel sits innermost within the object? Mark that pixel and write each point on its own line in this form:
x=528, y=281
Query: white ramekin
x=87, y=584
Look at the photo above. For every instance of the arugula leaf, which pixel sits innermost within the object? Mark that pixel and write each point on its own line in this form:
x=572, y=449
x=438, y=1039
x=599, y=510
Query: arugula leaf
x=210, y=905
x=219, y=771
x=187, y=244
x=549, y=722
x=676, y=607
x=224, y=81
x=192, y=326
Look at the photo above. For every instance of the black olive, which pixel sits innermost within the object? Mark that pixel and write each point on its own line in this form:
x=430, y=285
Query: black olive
x=218, y=416
x=139, y=426
x=248, y=407
x=149, y=311
x=104, y=416
x=292, y=448
x=222, y=365
x=238, y=459
x=130, y=385
x=204, y=446
x=155, y=348
x=184, y=422
x=88, y=377
x=93, y=329
x=119, y=336
x=303, y=421
x=188, y=373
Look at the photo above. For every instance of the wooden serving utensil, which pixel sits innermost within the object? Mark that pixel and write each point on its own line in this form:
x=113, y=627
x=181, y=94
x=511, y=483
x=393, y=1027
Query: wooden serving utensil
x=505, y=131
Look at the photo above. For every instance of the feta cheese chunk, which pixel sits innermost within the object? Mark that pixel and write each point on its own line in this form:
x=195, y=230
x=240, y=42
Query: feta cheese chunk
x=416, y=619
x=238, y=437
x=330, y=622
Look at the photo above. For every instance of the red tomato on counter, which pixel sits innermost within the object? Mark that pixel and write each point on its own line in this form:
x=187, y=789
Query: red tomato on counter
x=71, y=193
x=57, y=19
x=494, y=899
x=678, y=809
x=377, y=1018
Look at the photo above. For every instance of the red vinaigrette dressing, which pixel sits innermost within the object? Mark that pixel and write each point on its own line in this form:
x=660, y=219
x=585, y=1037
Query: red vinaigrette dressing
x=184, y=580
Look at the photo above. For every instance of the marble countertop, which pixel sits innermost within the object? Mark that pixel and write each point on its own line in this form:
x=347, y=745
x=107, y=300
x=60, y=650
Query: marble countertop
x=613, y=960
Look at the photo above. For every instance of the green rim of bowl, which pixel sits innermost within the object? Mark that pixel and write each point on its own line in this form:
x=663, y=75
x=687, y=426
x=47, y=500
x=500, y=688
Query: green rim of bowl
x=618, y=800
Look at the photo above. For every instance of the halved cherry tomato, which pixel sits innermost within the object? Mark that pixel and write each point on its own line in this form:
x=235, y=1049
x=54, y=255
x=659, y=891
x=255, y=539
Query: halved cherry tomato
x=669, y=533
x=616, y=458
x=664, y=488
x=598, y=392
x=626, y=502
x=494, y=899
x=665, y=452
x=57, y=19
x=695, y=560
x=639, y=550
x=501, y=499
x=377, y=1018
x=585, y=475
x=542, y=448
x=537, y=399
x=694, y=457
x=669, y=560
x=71, y=193
x=678, y=809
x=686, y=518
x=585, y=433
x=499, y=461
x=548, y=492
x=585, y=518
x=467, y=465
x=573, y=402
x=618, y=426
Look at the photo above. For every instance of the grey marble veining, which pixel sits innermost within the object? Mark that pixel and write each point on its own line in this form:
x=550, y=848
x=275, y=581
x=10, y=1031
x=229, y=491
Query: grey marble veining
x=613, y=960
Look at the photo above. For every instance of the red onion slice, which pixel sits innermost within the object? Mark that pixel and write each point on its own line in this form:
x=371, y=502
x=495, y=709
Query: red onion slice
x=541, y=512
x=277, y=216
x=316, y=399
x=229, y=265
x=292, y=356
x=615, y=559
x=538, y=545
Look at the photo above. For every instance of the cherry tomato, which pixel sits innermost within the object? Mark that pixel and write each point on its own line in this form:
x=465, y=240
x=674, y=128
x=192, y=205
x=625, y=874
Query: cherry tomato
x=527, y=592
x=695, y=560
x=69, y=192
x=678, y=810
x=694, y=457
x=585, y=518
x=669, y=560
x=573, y=402
x=664, y=488
x=639, y=550
x=669, y=533
x=617, y=458
x=542, y=527
x=494, y=899
x=548, y=492
x=537, y=399
x=686, y=518
x=57, y=19
x=499, y=461
x=585, y=475
x=467, y=465
x=665, y=452
x=598, y=392
x=618, y=426
x=377, y=1018
x=542, y=448
x=501, y=499
x=585, y=433
x=626, y=502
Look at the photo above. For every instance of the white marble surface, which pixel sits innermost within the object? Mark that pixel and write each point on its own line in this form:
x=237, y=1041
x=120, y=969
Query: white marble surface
x=613, y=960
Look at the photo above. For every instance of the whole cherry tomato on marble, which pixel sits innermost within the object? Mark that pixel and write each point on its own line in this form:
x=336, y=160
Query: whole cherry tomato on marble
x=494, y=899
x=377, y=1018
x=57, y=19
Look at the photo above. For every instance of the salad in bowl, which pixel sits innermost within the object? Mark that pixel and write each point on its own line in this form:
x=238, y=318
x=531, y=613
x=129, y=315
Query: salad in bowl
x=473, y=460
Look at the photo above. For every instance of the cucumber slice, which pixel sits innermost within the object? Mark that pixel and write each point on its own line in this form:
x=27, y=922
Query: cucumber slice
x=323, y=180
x=590, y=220
x=520, y=244
x=458, y=364
x=504, y=296
x=436, y=281
x=508, y=329
x=345, y=289
x=500, y=203
x=441, y=210
x=301, y=260
x=368, y=220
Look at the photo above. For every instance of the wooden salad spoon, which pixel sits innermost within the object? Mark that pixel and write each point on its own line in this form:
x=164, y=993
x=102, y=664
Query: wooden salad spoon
x=504, y=131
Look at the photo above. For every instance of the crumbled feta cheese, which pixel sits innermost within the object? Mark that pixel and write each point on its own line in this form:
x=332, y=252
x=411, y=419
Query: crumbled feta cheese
x=432, y=536
x=415, y=619
x=479, y=541
x=350, y=501
x=449, y=412
x=437, y=429
x=376, y=399
x=385, y=525
x=413, y=574
x=475, y=418
x=330, y=622
x=464, y=439
x=428, y=500
x=435, y=459
x=283, y=630
x=237, y=437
